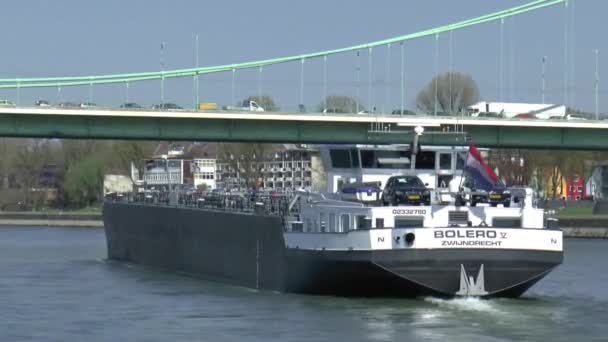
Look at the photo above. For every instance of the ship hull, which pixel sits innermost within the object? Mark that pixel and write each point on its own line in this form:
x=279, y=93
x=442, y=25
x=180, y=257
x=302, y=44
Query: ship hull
x=414, y=273
x=249, y=250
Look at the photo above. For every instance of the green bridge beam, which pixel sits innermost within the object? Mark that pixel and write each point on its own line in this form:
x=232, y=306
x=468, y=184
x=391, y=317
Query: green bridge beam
x=273, y=131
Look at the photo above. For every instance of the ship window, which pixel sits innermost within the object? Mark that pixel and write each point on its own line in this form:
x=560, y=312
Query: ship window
x=460, y=159
x=344, y=223
x=425, y=160
x=444, y=181
x=372, y=159
x=354, y=158
x=332, y=222
x=345, y=158
x=323, y=222
x=340, y=158
x=363, y=222
x=445, y=161
x=309, y=225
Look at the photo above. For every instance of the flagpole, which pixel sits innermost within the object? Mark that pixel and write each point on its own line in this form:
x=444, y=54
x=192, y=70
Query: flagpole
x=464, y=166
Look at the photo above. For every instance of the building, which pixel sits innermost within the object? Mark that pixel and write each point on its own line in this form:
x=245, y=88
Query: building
x=278, y=167
x=167, y=168
x=599, y=181
x=204, y=172
x=117, y=183
x=510, y=110
x=227, y=166
x=287, y=167
x=575, y=188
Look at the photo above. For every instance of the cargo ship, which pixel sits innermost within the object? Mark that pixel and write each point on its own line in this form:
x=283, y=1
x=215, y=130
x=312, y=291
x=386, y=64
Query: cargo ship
x=349, y=240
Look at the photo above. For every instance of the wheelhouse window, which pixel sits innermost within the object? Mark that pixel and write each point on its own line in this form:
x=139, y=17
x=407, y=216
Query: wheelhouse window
x=443, y=181
x=372, y=159
x=460, y=160
x=343, y=158
x=425, y=160
x=445, y=161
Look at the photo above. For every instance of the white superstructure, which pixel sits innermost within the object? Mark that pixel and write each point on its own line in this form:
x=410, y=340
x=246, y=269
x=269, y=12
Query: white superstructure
x=324, y=223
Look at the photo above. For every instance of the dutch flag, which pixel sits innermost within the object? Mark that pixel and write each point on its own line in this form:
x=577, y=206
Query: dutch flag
x=482, y=175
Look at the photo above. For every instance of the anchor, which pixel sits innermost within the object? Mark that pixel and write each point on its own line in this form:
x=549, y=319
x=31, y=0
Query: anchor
x=470, y=286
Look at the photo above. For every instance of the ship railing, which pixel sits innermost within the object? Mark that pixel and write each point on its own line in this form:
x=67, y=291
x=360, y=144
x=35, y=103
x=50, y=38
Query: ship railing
x=252, y=202
x=322, y=199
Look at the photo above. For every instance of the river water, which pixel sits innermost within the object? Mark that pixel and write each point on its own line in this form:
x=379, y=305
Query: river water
x=55, y=285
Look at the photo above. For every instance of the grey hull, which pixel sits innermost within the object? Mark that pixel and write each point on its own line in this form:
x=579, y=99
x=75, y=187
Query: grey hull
x=249, y=250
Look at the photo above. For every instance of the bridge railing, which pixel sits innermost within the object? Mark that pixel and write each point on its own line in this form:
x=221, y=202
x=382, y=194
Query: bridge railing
x=408, y=115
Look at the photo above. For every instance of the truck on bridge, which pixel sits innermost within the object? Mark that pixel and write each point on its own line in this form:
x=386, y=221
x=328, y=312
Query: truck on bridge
x=247, y=106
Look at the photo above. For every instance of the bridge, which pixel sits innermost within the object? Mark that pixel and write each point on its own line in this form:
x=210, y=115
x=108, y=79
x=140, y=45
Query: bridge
x=100, y=123
x=299, y=128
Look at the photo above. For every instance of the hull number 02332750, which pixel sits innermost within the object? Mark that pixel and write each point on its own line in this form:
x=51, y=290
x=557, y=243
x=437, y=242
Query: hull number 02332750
x=409, y=211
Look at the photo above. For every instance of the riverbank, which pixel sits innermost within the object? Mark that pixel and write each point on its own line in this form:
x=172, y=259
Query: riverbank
x=53, y=219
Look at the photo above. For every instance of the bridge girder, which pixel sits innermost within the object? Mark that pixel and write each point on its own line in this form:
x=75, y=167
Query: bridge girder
x=272, y=131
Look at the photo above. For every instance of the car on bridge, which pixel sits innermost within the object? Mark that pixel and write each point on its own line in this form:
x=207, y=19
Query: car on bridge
x=68, y=105
x=42, y=103
x=403, y=112
x=525, y=116
x=488, y=115
x=88, y=105
x=7, y=103
x=131, y=105
x=575, y=117
x=334, y=111
x=166, y=106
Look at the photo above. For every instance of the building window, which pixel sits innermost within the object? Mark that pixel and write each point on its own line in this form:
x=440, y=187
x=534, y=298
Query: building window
x=571, y=188
x=580, y=189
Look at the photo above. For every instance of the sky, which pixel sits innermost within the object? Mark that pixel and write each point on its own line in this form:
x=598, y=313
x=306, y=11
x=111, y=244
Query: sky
x=86, y=37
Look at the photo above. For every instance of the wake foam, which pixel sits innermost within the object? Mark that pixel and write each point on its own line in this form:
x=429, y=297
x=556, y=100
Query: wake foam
x=470, y=304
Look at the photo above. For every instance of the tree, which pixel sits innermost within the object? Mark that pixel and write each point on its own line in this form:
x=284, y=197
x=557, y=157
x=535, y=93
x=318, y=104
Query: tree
x=455, y=93
x=265, y=101
x=30, y=157
x=340, y=104
x=84, y=181
x=7, y=151
x=123, y=153
x=512, y=164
